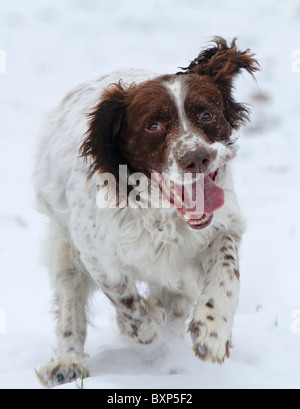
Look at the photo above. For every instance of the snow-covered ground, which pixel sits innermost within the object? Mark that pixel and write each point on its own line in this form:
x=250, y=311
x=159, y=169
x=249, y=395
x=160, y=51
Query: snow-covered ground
x=51, y=46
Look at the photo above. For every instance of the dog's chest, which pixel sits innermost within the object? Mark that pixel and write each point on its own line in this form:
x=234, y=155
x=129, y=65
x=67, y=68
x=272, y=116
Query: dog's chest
x=157, y=247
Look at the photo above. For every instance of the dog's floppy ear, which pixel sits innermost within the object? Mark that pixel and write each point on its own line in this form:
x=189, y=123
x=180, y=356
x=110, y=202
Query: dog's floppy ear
x=222, y=63
x=106, y=122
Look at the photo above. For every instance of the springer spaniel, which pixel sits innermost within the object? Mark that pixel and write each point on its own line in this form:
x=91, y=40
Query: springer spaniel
x=162, y=127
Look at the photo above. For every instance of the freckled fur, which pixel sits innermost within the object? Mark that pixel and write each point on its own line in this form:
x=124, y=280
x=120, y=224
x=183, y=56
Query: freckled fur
x=189, y=272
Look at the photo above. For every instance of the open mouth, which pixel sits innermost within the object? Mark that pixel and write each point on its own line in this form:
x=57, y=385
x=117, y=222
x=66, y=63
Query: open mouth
x=196, y=199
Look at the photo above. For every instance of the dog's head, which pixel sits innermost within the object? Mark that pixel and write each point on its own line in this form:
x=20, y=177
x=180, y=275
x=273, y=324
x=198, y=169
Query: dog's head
x=173, y=125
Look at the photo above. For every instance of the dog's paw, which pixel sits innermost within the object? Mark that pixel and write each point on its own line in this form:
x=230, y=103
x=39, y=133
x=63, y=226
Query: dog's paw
x=63, y=370
x=145, y=323
x=157, y=311
x=211, y=338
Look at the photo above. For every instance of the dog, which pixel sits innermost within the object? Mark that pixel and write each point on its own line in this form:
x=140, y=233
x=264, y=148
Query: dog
x=158, y=126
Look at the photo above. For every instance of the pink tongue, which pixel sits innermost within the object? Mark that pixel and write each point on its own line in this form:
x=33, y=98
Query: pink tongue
x=212, y=201
x=213, y=196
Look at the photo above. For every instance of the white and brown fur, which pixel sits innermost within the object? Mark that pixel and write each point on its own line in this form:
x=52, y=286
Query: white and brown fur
x=191, y=274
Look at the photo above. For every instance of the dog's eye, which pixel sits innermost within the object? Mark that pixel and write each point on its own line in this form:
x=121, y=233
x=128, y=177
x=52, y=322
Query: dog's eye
x=206, y=117
x=154, y=127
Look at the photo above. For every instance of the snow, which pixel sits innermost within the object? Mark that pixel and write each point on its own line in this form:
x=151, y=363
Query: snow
x=49, y=47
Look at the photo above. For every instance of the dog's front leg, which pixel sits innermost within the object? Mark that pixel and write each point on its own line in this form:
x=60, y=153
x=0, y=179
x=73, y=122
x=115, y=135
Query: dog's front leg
x=212, y=319
x=141, y=319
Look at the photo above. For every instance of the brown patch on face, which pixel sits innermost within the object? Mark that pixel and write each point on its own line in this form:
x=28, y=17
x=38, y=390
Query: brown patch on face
x=221, y=63
x=144, y=148
x=203, y=97
x=210, y=318
x=118, y=131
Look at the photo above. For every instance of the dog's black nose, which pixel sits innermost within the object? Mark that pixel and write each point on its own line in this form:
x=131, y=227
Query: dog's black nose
x=196, y=162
